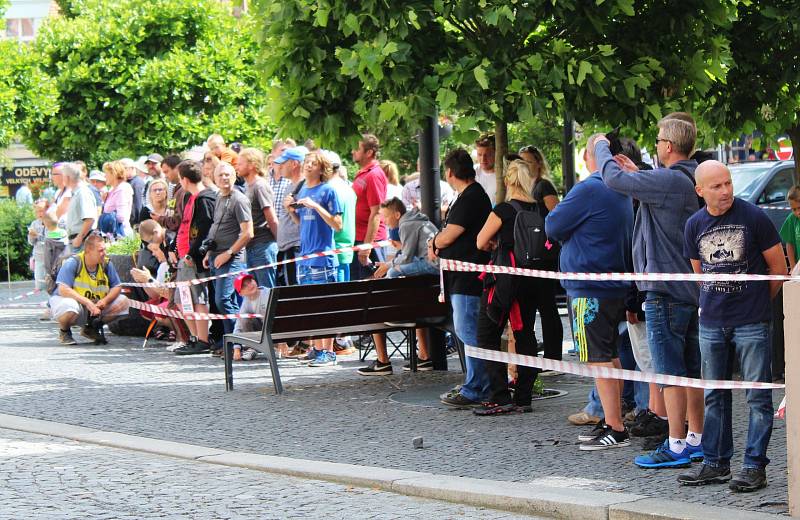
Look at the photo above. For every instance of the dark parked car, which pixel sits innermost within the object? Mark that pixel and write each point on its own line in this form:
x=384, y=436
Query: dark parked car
x=765, y=183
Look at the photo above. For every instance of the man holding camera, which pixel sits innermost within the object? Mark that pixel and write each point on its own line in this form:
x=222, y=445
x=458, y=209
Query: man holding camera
x=229, y=234
x=87, y=294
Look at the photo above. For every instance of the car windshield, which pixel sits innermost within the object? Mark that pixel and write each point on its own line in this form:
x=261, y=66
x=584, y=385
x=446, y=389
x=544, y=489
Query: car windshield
x=745, y=178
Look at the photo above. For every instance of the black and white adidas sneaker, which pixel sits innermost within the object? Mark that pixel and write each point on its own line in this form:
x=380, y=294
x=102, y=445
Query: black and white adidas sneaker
x=607, y=439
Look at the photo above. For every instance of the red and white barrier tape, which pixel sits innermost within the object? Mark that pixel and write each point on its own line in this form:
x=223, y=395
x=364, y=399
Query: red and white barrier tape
x=781, y=413
x=191, y=316
x=459, y=266
x=23, y=295
x=360, y=247
x=595, y=371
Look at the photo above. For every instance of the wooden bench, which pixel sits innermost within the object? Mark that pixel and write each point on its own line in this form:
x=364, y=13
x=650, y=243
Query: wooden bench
x=304, y=312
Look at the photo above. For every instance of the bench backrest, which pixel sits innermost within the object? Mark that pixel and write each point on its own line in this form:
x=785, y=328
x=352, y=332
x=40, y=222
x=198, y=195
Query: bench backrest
x=304, y=307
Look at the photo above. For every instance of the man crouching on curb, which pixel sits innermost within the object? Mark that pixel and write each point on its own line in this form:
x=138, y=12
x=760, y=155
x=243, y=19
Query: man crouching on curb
x=87, y=294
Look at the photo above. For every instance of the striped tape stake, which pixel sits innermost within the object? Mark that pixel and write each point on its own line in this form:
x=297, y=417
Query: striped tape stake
x=330, y=252
x=594, y=371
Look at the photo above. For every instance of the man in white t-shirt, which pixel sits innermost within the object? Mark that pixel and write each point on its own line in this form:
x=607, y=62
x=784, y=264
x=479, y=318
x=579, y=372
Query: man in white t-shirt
x=484, y=170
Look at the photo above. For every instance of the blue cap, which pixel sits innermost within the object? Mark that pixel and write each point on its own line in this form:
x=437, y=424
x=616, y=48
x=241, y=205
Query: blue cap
x=298, y=153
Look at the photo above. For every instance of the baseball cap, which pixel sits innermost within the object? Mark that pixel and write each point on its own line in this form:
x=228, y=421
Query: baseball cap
x=155, y=158
x=298, y=153
x=97, y=175
x=239, y=281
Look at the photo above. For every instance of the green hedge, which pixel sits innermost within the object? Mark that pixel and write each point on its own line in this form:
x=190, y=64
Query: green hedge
x=14, y=222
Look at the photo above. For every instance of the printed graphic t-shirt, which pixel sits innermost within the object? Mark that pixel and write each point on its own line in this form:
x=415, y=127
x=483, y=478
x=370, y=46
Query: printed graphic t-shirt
x=732, y=243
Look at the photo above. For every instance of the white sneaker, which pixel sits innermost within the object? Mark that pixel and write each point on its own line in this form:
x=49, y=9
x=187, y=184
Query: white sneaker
x=172, y=347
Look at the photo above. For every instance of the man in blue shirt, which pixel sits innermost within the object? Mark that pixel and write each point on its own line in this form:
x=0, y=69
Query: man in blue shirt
x=731, y=236
x=594, y=224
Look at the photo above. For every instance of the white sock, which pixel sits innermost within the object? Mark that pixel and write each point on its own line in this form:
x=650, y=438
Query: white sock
x=676, y=445
x=662, y=418
x=694, y=439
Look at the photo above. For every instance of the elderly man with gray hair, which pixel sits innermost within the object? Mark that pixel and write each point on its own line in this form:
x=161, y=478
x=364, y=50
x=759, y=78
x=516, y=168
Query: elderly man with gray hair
x=82, y=211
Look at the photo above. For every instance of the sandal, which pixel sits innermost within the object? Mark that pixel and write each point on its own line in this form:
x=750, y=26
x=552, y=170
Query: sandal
x=161, y=334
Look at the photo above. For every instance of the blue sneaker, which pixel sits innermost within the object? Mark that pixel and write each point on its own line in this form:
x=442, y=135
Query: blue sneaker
x=325, y=358
x=309, y=356
x=663, y=457
x=695, y=452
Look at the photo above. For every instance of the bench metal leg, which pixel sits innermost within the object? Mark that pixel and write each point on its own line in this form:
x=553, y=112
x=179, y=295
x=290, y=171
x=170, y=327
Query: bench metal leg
x=412, y=348
x=227, y=349
x=273, y=366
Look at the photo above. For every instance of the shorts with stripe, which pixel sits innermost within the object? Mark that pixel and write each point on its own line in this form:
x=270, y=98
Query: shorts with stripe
x=595, y=327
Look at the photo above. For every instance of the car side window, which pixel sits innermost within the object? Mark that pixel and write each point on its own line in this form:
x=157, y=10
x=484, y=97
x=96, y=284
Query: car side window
x=777, y=187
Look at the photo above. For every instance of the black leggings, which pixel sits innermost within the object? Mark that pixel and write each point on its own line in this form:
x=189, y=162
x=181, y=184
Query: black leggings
x=489, y=334
x=544, y=294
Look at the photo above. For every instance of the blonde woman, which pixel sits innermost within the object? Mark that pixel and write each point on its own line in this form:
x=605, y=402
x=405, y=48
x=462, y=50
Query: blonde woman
x=506, y=298
x=544, y=193
x=119, y=199
x=393, y=188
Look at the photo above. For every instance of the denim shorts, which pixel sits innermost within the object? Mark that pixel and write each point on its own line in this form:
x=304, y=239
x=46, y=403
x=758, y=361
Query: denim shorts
x=672, y=334
x=309, y=275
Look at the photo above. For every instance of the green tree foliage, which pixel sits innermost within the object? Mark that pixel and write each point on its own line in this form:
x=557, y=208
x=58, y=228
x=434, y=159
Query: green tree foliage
x=171, y=74
x=26, y=96
x=342, y=65
x=762, y=89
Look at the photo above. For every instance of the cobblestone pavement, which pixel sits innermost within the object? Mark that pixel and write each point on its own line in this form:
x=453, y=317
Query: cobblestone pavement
x=52, y=478
x=332, y=414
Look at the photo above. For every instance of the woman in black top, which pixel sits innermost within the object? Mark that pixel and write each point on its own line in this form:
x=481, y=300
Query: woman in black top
x=546, y=198
x=508, y=298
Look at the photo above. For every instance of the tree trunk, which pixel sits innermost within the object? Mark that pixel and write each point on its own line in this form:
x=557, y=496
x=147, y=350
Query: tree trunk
x=501, y=150
x=794, y=136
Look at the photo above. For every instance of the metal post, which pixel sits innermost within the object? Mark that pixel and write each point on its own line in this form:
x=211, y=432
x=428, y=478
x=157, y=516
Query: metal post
x=791, y=327
x=8, y=265
x=430, y=191
x=568, y=154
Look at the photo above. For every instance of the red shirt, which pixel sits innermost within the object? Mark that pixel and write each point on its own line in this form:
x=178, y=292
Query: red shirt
x=370, y=187
x=185, y=227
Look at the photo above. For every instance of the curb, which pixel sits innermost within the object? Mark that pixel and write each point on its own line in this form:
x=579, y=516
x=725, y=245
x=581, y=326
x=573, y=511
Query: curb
x=517, y=497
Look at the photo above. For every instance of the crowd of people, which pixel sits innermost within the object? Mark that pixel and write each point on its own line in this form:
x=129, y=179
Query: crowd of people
x=238, y=208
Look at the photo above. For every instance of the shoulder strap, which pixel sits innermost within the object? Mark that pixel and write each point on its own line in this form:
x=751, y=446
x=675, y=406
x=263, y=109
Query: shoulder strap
x=685, y=171
x=298, y=188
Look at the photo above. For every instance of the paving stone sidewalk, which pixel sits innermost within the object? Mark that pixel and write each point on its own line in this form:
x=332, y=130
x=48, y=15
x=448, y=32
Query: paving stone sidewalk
x=332, y=414
x=52, y=478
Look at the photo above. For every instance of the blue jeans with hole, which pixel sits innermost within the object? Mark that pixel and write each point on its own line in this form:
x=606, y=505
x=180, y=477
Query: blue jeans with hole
x=465, y=322
x=751, y=345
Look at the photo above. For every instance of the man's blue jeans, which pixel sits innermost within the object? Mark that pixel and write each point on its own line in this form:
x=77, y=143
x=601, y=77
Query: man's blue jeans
x=224, y=294
x=751, y=345
x=264, y=253
x=672, y=329
x=465, y=322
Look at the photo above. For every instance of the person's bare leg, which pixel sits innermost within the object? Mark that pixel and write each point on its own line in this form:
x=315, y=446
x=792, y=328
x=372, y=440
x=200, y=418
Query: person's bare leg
x=656, y=404
x=512, y=349
x=675, y=402
x=695, y=409
x=609, y=392
x=326, y=344
x=422, y=345
x=67, y=320
x=201, y=326
x=380, y=348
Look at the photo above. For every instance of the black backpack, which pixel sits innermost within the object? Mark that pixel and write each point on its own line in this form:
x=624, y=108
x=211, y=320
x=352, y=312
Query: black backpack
x=531, y=245
x=700, y=200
